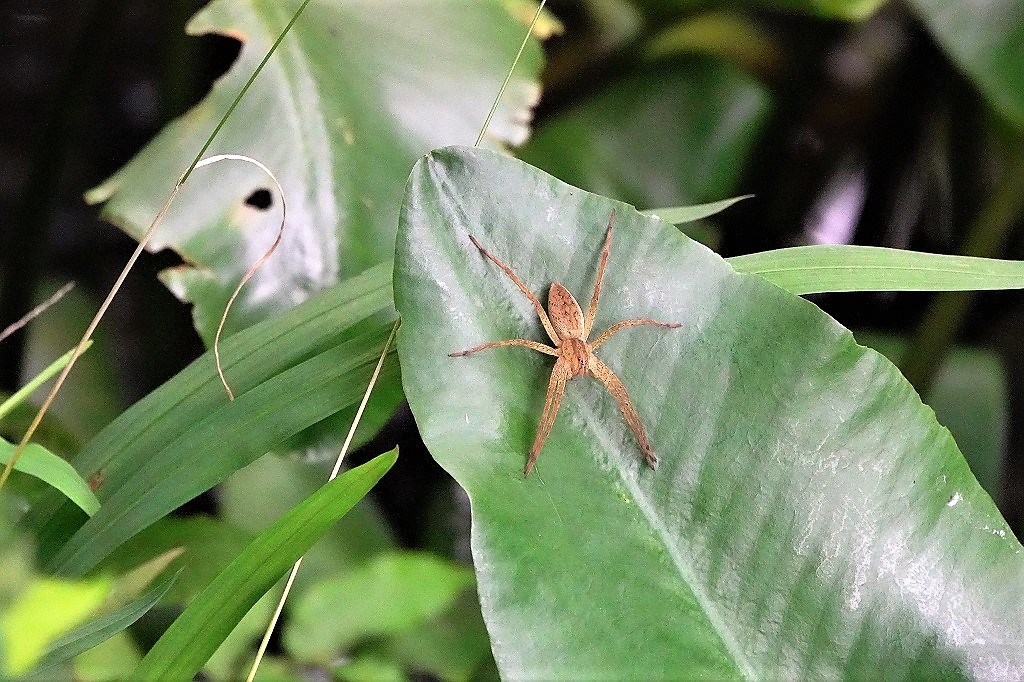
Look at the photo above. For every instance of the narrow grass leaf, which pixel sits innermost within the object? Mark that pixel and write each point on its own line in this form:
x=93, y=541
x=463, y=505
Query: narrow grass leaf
x=44, y=610
x=687, y=214
x=210, y=617
x=28, y=389
x=56, y=471
x=85, y=637
x=816, y=269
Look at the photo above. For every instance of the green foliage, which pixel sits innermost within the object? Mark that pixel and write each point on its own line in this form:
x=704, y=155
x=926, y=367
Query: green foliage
x=37, y=461
x=253, y=497
x=687, y=214
x=46, y=609
x=30, y=387
x=810, y=518
x=970, y=398
x=87, y=636
x=815, y=269
x=838, y=9
x=288, y=373
x=207, y=545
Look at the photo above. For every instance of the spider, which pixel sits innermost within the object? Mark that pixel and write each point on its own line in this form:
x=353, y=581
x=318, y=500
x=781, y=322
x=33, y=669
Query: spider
x=569, y=330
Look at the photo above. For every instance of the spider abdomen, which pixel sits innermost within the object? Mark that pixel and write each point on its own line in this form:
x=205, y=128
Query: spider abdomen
x=566, y=316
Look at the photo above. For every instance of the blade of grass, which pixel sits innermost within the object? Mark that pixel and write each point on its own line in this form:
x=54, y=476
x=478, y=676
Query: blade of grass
x=87, y=636
x=55, y=471
x=209, y=618
x=827, y=268
x=30, y=388
x=289, y=372
x=688, y=214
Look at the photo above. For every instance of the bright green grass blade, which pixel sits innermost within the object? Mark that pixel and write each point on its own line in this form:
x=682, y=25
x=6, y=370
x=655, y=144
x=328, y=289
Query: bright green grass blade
x=687, y=214
x=288, y=373
x=809, y=518
x=39, y=462
x=87, y=636
x=815, y=269
x=28, y=389
x=210, y=617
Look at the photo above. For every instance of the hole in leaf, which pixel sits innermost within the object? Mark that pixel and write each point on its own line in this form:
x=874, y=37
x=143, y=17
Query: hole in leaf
x=260, y=199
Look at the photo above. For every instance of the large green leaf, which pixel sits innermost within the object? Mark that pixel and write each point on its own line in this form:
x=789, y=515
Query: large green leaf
x=969, y=396
x=288, y=373
x=210, y=617
x=986, y=40
x=356, y=92
x=809, y=518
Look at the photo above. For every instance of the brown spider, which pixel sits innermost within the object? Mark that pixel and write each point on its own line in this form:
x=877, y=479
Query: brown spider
x=565, y=324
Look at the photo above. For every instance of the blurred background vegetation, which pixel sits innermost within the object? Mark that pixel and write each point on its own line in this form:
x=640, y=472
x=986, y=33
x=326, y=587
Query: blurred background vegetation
x=885, y=123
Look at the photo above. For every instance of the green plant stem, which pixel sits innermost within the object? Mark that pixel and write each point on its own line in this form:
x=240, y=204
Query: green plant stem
x=945, y=315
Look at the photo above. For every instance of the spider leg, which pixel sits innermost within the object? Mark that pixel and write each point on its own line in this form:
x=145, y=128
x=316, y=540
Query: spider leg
x=510, y=342
x=552, y=401
x=619, y=326
x=522, y=287
x=606, y=376
x=588, y=321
